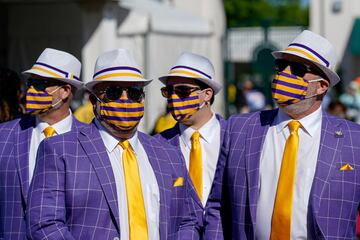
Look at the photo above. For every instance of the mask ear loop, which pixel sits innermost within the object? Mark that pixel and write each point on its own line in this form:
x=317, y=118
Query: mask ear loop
x=310, y=81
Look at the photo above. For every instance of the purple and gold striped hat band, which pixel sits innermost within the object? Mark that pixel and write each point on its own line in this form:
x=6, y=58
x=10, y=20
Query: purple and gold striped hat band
x=116, y=72
x=59, y=65
x=53, y=71
x=189, y=71
x=311, y=48
x=117, y=66
x=190, y=65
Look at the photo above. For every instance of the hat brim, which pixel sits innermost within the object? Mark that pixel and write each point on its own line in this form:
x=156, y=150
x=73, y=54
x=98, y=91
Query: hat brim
x=76, y=83
x=136, y=82
x=213, y=84
x=332, y=76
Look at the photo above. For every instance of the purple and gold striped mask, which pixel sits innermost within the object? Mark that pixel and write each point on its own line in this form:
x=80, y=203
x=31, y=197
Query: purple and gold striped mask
x=123, y=113
x=183, y=108
x=38, y=101
x=288, y=88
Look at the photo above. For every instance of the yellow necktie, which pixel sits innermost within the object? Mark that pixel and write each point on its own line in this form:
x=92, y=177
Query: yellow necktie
x=49, y=132
x=136, y=208
x=281, y=218
x=195, y=168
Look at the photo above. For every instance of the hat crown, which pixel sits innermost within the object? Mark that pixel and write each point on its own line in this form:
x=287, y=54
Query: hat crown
x=115, y=58
x=316, y=48
x=60, y=60
x=117, y=65
x=197, y=63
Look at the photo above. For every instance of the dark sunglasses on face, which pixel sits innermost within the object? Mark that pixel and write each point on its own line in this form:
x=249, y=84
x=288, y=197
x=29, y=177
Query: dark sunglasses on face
x=114, y=93
x=41, y=84
x=181, y=91
x=298, y=69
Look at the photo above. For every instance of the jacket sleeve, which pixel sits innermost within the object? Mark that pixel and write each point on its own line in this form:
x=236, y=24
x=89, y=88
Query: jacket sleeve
x=46, y=198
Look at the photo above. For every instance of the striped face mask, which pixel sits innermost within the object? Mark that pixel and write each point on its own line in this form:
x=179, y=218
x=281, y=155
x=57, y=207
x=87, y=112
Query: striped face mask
x=123, y=113
x=288, y=88
x=39, y=101
x=183, y=108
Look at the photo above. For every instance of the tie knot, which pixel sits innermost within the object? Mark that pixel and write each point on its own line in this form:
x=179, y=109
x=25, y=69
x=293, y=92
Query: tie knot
x=49, y=132
x=125, y=144
x=294, y=125
x=195, y=136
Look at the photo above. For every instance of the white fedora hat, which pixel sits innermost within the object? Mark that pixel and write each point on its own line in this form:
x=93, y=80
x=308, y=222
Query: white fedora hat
x=315, y=50
x=190, y=65
x=117, y=66
x=59, y=65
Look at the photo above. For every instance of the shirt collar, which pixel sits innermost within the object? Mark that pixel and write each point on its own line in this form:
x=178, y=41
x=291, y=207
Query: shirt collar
x=205, y=131
x=112, y=142
x=60, y=127
x=310, y=123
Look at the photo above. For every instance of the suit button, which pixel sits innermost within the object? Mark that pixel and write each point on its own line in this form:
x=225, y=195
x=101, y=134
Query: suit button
x=116, y=238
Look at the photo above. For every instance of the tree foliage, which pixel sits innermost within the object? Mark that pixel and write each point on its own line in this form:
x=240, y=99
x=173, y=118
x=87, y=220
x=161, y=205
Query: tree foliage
x=242, y=13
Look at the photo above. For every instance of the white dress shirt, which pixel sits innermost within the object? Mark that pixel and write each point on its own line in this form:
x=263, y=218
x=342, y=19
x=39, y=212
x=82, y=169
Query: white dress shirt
x=149, y=184
x=37, y=136
x=270, y=163
x=210, y=148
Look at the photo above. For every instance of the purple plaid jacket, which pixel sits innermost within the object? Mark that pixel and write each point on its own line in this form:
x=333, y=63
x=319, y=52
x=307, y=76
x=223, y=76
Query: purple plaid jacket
x=210, y=221
x=73, y=192
x=334, y=196
x=15, y=137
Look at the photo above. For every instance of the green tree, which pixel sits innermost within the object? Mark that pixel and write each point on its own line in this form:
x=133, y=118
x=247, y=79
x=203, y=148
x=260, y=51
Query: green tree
x=242, y=13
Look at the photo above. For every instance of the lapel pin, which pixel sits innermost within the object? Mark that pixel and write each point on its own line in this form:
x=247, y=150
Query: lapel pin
x=339, y=134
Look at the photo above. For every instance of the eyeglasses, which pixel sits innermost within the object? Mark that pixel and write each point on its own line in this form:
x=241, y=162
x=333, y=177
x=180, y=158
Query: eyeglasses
x=41, y=84
x=181, y=91
x=298, y=69
x=114, y=93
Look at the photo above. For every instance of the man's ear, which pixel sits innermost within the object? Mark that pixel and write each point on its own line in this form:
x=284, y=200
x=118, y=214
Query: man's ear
x=208, y=94
x=67, y=90
x=324, y=86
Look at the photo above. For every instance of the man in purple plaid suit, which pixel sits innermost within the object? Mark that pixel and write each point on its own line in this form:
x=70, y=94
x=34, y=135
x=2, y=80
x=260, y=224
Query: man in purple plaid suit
x=108, y=180
x=190, y=91
x=51, y=83
x=293, y=172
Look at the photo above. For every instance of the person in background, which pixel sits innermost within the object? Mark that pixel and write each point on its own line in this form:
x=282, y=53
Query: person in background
x=108, y=180
x=190, y=89
x=10, y=95
x=351, y=99
x=293, y=172
x=255, y=99
x=85, y=113
x=338, y=109
x=51, y=83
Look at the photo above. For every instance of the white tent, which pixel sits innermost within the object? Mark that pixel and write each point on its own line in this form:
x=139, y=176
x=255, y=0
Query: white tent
x=156, y=34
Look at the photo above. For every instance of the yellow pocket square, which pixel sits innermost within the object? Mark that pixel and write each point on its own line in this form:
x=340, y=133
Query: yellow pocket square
x=178, y=182
x=346, y=167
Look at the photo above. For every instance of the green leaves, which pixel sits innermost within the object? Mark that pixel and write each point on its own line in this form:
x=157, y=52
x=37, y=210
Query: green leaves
x=243, y=13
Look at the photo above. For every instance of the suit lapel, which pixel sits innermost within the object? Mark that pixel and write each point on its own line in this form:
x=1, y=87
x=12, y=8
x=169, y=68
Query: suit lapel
x=255, y=137
x=175, y=139
x=329, y=151
x=22, y=148
x=94, y=147
x=164, y=181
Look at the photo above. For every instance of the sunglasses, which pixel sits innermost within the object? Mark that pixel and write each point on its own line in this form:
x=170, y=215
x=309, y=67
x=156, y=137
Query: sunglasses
x=114, y=93
x=181, y=91
x=41, y=85
x=298, y=69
